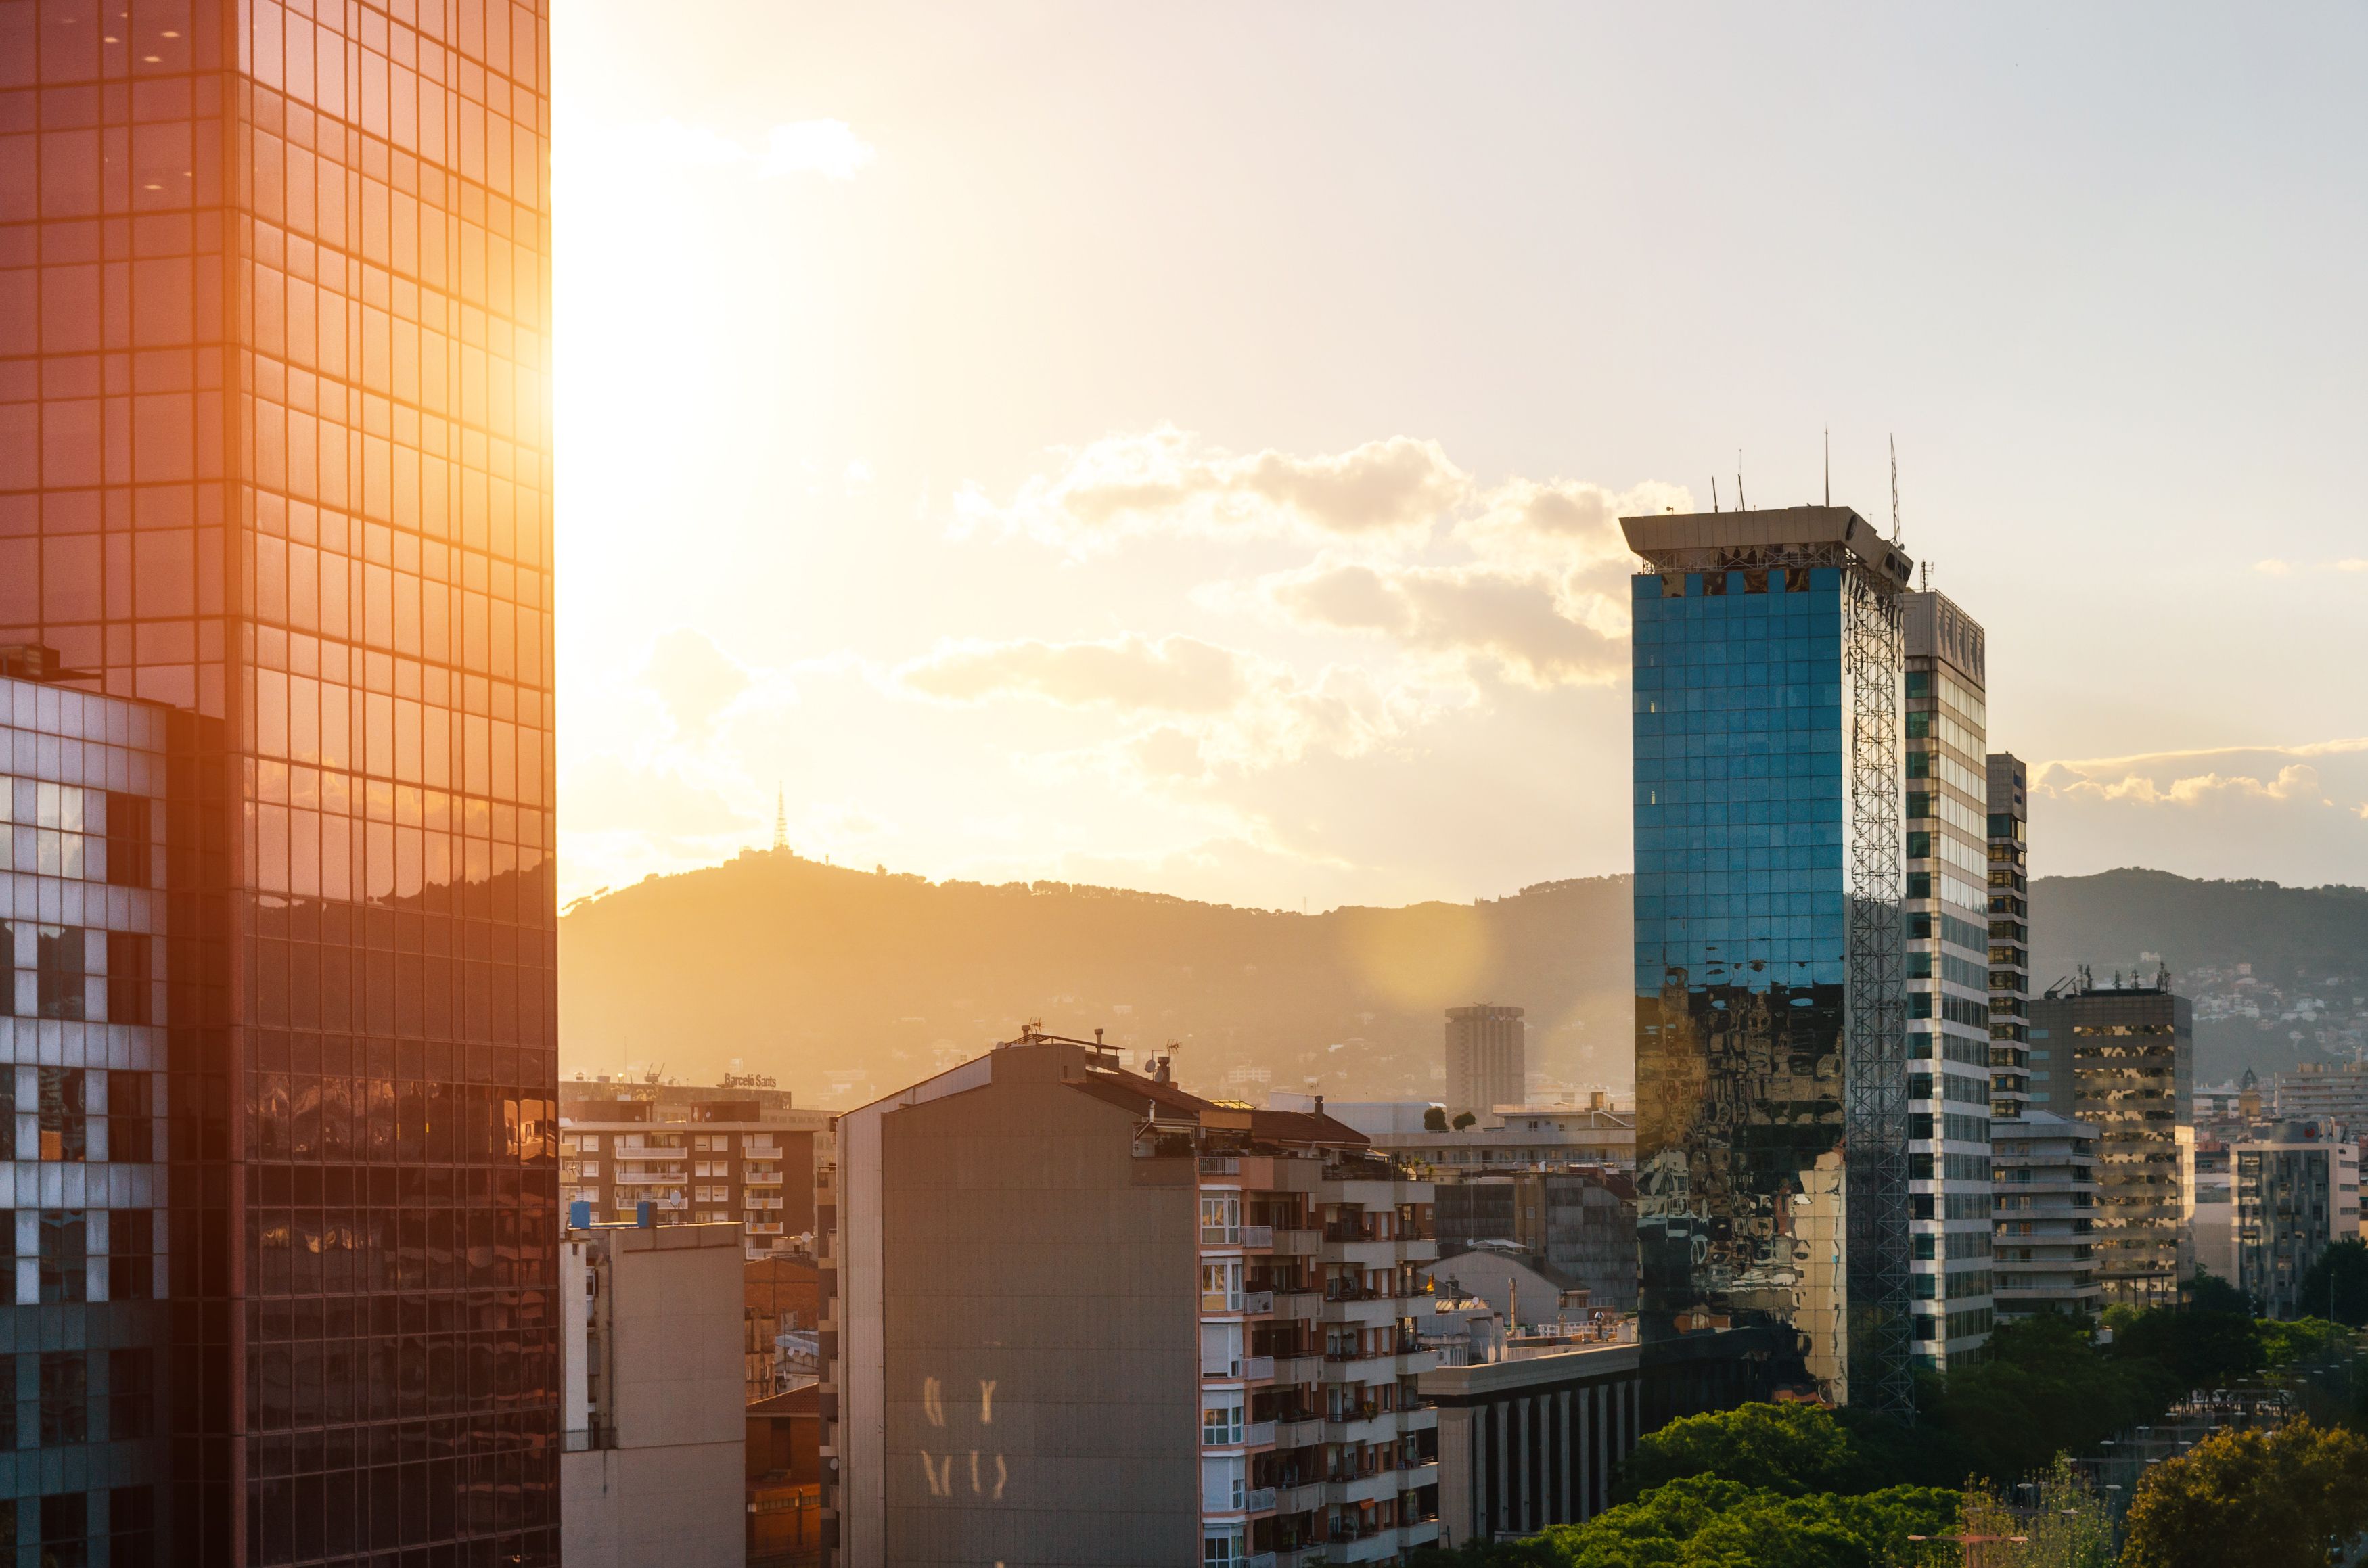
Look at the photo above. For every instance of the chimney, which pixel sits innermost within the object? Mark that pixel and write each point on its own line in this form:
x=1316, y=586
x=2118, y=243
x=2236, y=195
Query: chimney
x=1319, y=1104
x=1159, y=1068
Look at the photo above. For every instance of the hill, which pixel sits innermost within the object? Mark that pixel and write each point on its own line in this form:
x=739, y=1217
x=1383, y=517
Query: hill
x=846, y=985
x=2306, y=948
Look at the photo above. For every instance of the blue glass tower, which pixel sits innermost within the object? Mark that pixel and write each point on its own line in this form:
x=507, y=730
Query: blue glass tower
x=1770, y=1075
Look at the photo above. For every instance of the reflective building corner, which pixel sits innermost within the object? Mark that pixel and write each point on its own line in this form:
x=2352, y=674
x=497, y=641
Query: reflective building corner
x=275, y=516
x=1771, y=992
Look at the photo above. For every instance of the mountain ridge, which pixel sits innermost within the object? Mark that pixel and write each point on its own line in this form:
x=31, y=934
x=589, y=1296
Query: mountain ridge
x=845, y=983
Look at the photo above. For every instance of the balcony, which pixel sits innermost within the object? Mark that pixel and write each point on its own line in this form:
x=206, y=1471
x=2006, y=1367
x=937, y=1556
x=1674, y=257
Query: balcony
x=1253, y=1434
x=1258, y=1238
x=1299, y=1434
x=1249, y=1368
x=649, y=1179
x=1258, y=1500
x=760, y=1178
x=1257, y=1303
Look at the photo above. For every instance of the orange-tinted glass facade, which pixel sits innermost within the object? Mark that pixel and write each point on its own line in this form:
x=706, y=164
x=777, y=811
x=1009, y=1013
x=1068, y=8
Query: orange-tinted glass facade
x=274, y=450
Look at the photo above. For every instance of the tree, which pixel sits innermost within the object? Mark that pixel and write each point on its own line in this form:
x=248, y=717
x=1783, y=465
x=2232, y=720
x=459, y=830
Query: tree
x=1464, y=1119
x=1434, y=1119
x=2207, y=1292
x=2199, y=1349
x=1703, y=1522
x=2043, y=1391
x=2063, y=1524
x=2251, y=1500
x=2337, y=1283
x=1790, y=1449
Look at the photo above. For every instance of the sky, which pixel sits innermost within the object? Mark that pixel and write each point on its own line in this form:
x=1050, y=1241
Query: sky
x=1180, y=447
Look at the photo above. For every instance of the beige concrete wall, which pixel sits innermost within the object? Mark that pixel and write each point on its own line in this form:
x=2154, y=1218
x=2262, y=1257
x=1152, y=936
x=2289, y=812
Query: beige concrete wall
x=672, y=1491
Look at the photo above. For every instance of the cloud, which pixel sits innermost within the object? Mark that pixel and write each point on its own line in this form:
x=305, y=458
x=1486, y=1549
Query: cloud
x=1168, y=481
x=1175, y=674
x=2294, y=813
x=826, y=147
x=2277, y=568
x=1527, y=625
x=694, y=678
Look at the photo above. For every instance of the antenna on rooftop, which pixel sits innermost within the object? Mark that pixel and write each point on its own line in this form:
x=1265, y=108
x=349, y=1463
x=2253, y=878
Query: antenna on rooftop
x=1713, y=493
x=1742, y=502
x=781, y=819
x=1829, y=466
x=1895, y=490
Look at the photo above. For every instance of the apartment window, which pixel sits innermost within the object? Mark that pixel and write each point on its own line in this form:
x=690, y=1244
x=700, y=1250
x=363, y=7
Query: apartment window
x=1220, y=1286
x=591, y=1143
x=1223, y=1547
x=1221, y=1218
x=1221, y=1425
x=1224, y=1480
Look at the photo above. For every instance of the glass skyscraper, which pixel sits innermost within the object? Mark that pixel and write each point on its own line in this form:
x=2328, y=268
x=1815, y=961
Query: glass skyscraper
x=1771, y=1076
x=275, y=483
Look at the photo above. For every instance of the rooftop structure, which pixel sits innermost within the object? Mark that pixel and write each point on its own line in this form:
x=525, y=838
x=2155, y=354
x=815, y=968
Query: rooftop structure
x=1509, y=1138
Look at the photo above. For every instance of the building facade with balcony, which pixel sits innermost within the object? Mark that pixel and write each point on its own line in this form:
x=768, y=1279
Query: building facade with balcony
x=704, y=1161
x=2296, y=1194
x=1076, y=1315
x=2044, y=1202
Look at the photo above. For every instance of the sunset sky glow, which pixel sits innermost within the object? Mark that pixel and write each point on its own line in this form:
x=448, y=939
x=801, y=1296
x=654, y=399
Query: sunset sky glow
x=1129, y=446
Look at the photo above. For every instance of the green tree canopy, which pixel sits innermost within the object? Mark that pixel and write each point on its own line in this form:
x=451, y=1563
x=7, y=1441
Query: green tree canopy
x=1699, y=1521
x=1786, y=1448
x=2337, y=1283
x=2251, y=1500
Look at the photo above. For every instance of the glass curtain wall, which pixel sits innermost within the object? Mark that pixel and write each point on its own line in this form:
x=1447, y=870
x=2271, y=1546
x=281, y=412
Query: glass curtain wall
x=274, y=449
x=1741, y=961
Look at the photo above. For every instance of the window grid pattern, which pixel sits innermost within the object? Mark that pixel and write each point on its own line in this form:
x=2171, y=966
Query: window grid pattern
x=1741, y=951
x=274, y=450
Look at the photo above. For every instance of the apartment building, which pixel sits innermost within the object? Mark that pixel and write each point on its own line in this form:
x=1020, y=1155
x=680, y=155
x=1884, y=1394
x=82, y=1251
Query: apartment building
x=2297, y=1192
x=1076, y=1315
x=2336, y=1092
x=1949, y=978
x=2044, y=1171
x=2009, y=893
x=1488, y=1058
x=2121, y=1058
x=694, y=1161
